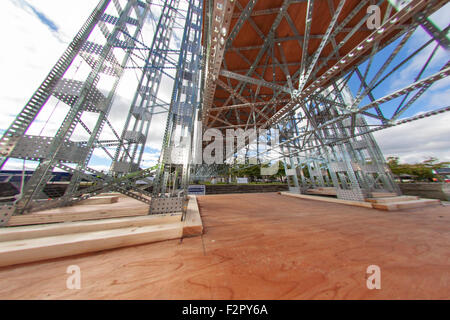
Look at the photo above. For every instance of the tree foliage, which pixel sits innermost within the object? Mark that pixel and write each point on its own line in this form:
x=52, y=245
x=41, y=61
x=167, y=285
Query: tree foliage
x=422, y=171
x=254, y=171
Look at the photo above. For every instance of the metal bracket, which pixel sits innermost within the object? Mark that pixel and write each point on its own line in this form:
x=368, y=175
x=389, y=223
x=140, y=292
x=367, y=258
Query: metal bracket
x=6, y=211
x=166, y=205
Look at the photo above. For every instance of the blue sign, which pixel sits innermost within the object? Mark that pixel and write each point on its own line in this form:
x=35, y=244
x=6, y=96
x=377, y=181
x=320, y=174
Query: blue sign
x=197, y=190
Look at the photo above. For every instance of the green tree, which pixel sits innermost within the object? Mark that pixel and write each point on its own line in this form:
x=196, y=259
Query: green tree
x=422, y=171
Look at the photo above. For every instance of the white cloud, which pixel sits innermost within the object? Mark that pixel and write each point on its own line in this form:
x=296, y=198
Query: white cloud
x=68, y=15
x=407, y=74
x=16, y=164
x=100, y=167
x=149, y=159
x=440, y=17
x=417, y=140
x=31, y=48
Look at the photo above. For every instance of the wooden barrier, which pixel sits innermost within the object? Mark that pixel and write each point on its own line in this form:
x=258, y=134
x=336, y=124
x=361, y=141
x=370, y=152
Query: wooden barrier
x=193, y=225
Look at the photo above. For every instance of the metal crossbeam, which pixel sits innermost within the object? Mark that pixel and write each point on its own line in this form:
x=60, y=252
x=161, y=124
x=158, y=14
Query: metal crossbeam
x=314, y=95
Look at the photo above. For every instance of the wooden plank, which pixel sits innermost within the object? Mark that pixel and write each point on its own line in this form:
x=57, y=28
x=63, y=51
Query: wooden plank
x=193, y=225
x=392, y=199
x=99, y=200
x=32, y=219
x=383, y=194
x=48, y=230
x=126, y=207
x=328, y=191
x=113, y=194
x=325, y=199
x=30, y=250
x=394, y=206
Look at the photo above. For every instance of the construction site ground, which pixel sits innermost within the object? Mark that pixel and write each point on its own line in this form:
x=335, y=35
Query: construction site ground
x=263, y=246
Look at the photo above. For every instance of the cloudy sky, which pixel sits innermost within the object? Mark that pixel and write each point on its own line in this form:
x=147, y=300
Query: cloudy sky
x=36, y=32
x=429, y=137
x=39, y=32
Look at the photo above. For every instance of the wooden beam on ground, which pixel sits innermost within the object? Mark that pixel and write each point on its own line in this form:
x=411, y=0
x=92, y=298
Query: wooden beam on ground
x=384, y=194
x=323, y=191
x=126, y=207
x=379, y=204
x=392, y=199
x=30, y=250
x=193, y=225
x=99, y=200
x=56, y=229
x=403, y=205
x=326, y=199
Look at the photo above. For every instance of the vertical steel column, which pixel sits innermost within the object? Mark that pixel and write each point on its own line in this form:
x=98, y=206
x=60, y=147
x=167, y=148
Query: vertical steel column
x=181, y=117
x=94, y=135
x=136, y=129
x=43, y=171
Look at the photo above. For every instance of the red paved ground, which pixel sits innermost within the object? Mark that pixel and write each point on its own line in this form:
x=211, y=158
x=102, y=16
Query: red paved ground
x=263, y=246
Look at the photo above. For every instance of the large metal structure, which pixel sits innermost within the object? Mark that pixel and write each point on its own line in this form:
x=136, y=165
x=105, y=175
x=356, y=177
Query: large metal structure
x=319, y=71
x=146, y=102
x=313, y=70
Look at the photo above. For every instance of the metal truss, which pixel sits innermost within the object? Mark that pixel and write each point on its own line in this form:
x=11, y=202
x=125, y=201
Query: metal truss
x=63, y=86
x=145, y=103
x=334, y=156
x=415, y=10
x=392, y=24
x=326, y=99
x=217, y=26
x=336, y=150
x=173, y=172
